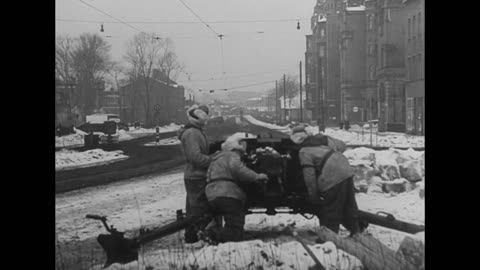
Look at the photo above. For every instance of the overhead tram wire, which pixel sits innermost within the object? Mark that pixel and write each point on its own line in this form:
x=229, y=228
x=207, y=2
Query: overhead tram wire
x=196, y=15
x=105, y=13
x=220, y=36
x=115, y=18
x=184, y=22
x=236, y=87
x=234, y=77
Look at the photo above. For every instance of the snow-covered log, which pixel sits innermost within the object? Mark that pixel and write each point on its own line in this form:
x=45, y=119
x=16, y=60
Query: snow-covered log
x=372, y=254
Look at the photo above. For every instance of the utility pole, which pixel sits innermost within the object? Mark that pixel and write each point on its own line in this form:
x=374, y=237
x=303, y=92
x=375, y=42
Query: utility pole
x=276, y=102
x=284, y=98
x=301, y=100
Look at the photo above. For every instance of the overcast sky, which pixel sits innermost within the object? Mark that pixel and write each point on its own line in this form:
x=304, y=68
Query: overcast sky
x=249, y=56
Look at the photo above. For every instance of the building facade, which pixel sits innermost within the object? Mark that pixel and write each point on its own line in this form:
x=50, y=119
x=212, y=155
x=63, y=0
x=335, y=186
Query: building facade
x=371, y=97
x=373, y=64
x=166, y=102
x=322, y=67
x=352, y=61
x=414, y=58
x=315, y=59
x=390, y=65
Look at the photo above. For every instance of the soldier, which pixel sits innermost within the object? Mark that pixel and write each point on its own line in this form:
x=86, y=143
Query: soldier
x=329, y=179
x=196, y=148
x=223, y=192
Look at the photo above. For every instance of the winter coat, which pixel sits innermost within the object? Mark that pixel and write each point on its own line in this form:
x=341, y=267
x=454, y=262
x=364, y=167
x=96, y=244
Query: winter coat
x=335, y=169
x=195, y=148
x=225, y=173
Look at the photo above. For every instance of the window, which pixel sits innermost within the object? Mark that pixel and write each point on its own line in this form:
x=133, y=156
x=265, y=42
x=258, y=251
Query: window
x=322, y=51
x=384, y=58
x=415, y=69
x=420, y=65
x=408, y=30
x=370, y=47
x=410, y=68
x=371, y=22
x=372, y=72
x=322, y=32
x=410, y=103
x=413, y=26
x=380, y=59
x=419, y=31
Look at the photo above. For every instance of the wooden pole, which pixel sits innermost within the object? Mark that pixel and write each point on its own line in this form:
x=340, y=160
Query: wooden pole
x=284, y=98
x=276, y=102
x=301, y=100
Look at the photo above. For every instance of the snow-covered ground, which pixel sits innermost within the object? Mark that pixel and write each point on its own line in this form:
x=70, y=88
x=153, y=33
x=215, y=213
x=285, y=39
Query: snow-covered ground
x=69, y=159
x=76, y=139
x=151, y=201
x=167, y=128
x=387, y=139
x=167, y=141
x=354, y=136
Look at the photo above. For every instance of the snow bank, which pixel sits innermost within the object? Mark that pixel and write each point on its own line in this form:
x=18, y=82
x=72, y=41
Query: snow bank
x=167, y=141
x=380, y=139
x=71, y=139
x=254, y=254
x=76, y=139
x=69, y=159
x=390, y=170
x=152, y=202
x=254, y=121
x=386, y=139
x=167, y=128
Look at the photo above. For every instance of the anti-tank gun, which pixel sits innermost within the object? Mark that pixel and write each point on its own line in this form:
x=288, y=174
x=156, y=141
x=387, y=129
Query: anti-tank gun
x=284, y=192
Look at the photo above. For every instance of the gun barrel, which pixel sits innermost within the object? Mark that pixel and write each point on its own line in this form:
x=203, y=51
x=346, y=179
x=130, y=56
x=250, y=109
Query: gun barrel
x=389, y=222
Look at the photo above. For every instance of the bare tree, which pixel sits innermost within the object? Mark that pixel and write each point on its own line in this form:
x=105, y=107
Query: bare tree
x=292, y=86
x=90, y=60
x=144, y=54
x=64, y=46
x=116, y=71
x=168, y=61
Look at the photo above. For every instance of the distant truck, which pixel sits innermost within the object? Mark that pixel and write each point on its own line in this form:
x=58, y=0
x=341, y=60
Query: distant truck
x=104, y=123
x=102, y=118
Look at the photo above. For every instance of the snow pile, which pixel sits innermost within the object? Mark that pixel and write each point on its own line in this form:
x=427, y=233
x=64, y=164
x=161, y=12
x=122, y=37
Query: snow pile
x=407, y=206
x=254, y=254
x=390, y=170
x=243, y=135
x=69, y=159
x=155, y=199
x=70, y=140
x=74, y=140
x=382, y=139
x=124, y=136
x=168, y=128
x=254, y=121
x=260, y=255
x=167, y=141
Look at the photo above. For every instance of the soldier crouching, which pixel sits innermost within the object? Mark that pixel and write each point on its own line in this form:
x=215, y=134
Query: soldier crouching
x=224, y=194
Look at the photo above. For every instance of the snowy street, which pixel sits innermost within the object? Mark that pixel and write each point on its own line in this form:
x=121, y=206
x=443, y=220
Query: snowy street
x=151, y=201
